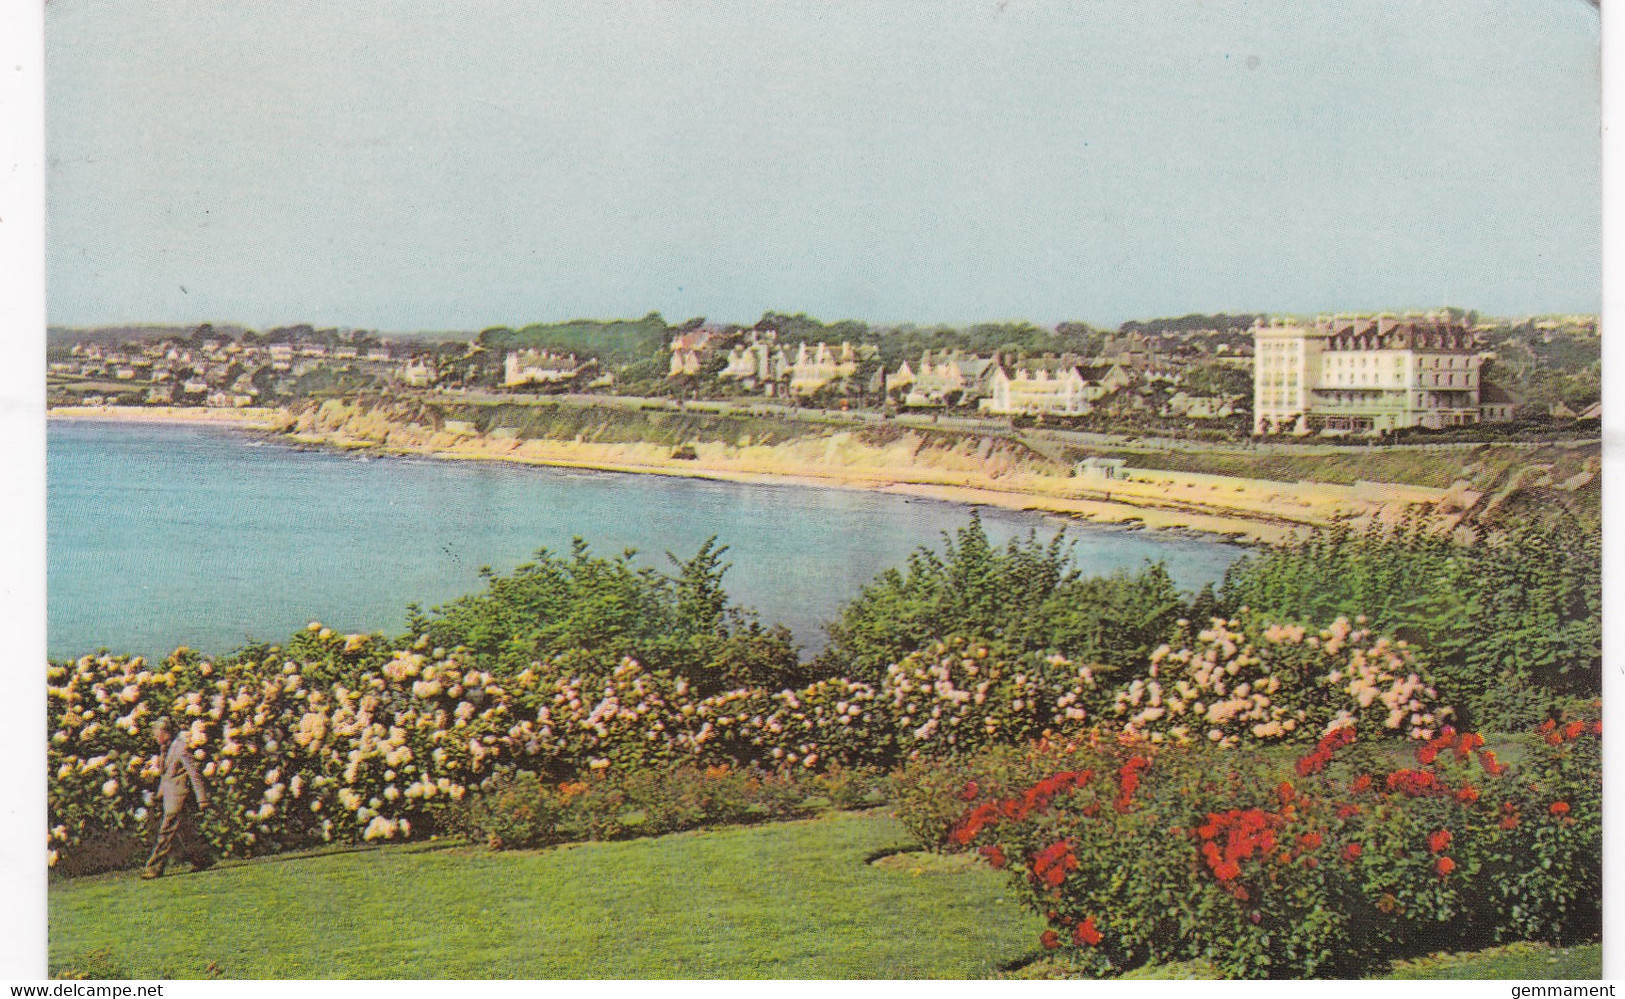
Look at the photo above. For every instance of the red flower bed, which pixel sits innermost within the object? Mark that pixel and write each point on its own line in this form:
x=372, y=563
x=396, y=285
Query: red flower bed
x=1205, y=853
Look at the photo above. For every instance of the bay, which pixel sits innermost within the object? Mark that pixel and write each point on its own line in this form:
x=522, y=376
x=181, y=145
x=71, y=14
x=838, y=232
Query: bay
x=164, y=535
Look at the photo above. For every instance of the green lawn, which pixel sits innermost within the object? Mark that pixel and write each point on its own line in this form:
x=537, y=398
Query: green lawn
x=787, y=900
x=1516, y=961
x=795, y=900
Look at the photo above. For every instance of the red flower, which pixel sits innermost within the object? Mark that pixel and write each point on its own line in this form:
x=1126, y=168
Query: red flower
x=1086, y=933
x=1309, y=841
x=1352, y=851
x=1468, y=743
x=995, y=856
x=1554, y=738
x=1050, y=864
x=1344, y=811
x=1245, y=833
x=974, y=821
x=1444, y=866
x=1486, y=759
x=970, y=792
x=1329, y=743
x=1128, y=780
x=1509, y=822
x=1361, y=783
x=1416, y=783
x=1425, y=755
x=1050, y=939
x=1467, y=795
x=1596, y=727
x=1559, y=808
x=1439, y=842
x=1574, y=730
x=1547, y=725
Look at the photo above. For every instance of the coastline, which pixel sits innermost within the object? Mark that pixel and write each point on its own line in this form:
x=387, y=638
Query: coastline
x=1125, y=516
x=1224, y=508
x=272, y=420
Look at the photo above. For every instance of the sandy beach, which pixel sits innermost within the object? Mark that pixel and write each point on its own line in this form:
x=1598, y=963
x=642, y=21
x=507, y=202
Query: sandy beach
x=274, y=420
x=1238, y=509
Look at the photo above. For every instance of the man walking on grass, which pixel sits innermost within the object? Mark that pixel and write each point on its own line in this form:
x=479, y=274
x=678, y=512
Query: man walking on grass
x=178, y=769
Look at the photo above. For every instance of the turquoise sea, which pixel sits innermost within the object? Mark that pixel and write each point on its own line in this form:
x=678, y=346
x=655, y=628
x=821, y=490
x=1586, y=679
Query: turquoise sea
x=181, y=535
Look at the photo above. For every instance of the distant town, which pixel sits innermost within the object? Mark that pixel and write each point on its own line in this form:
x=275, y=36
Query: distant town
x=1215, y=377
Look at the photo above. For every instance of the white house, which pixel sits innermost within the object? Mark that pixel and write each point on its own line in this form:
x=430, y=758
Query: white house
x=1051, y=388
x=527, y=367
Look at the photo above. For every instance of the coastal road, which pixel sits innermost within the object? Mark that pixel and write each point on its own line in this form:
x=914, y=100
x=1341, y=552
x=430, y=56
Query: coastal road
x=1043, y=440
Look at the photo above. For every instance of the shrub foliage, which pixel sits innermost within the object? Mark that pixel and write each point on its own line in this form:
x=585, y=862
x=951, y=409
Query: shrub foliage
x=1327, y=864
x=1510, y=623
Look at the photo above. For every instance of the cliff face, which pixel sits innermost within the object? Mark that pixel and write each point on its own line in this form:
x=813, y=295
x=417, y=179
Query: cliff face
x=652, y=437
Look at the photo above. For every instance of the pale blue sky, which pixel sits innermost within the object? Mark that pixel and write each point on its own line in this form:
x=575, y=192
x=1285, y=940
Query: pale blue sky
x=456, y=165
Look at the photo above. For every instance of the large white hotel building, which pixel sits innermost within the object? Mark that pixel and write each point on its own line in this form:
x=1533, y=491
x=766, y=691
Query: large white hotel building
x=1364, y=374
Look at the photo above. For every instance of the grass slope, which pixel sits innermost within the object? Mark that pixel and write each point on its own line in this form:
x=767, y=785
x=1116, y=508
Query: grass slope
x=1525, y=961
x=796, y=900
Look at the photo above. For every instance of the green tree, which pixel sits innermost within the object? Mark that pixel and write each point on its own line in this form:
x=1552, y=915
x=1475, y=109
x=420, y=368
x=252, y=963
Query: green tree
x=595, y=611
x=1029, y=595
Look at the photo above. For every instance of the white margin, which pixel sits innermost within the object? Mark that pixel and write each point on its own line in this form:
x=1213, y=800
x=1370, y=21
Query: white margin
x=22, y=488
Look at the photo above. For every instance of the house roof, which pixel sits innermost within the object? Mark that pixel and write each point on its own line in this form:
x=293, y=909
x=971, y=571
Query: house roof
x=974, y=367
x=1097, y=372
x=692, y=340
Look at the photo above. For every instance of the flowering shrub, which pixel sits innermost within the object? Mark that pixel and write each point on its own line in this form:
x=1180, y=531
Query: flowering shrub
x=932, y=796
x=1511, y=622
x=387, y=740
x=1242, y=679
x=1328, y=864
x=960, y=694
x=355, y=741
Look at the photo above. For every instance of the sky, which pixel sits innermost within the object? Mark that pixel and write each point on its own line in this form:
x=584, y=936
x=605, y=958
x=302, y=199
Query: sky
x=410, y=166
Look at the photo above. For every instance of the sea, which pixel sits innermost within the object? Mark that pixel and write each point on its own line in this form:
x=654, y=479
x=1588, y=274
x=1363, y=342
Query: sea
x=164, y=535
